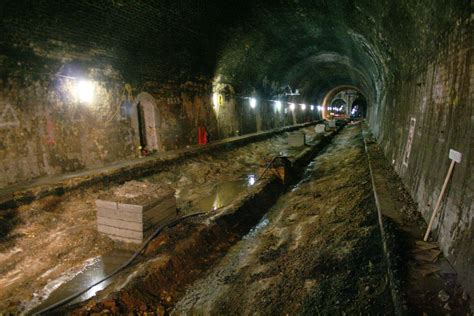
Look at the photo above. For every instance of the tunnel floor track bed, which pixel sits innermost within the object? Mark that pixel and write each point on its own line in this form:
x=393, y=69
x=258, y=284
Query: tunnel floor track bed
x=314, y=247
x=53, y=239
x=316, y=251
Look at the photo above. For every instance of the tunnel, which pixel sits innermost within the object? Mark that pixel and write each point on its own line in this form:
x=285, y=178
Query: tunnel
x=236, y=157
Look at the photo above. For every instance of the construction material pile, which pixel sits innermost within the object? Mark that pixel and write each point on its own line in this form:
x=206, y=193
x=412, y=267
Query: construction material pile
x=131, y=211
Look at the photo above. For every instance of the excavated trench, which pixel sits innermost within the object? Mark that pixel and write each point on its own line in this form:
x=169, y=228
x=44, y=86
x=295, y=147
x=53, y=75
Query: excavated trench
x=197, y=243
x=315, y=250
x=53, y=247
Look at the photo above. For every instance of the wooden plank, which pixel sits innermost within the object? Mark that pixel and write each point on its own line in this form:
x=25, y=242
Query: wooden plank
x=425, y=245
x=106, y=204
x=142, y=208
x=120, y=224
x=130, y=208
x=109, y=230
x=121, y=215
x=162, y=219
x=124, y=239
x=168, y=206
x=171, y=211
x=167, y=196
x=163, y=203
x=165, y=207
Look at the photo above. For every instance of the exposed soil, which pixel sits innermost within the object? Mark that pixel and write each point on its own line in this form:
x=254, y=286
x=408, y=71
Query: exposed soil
x=137, y=193
x=196, y=178
x=52, y=239
x=318, y=250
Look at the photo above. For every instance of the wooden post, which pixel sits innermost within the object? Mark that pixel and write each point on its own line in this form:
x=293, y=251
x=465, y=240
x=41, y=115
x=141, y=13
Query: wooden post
x=438, y=203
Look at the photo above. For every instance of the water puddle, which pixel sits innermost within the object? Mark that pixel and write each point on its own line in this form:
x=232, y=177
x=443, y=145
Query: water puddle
x=306, y=177
x=257, y=228
x=97, y=268
x=94, y=270
x=224, y=193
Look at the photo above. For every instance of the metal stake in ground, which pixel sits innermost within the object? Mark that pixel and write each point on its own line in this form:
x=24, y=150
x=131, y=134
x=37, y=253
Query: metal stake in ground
x=455, y=156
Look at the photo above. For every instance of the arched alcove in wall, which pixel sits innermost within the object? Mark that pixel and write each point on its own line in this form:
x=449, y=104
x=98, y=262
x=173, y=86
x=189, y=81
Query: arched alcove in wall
x=146, y=122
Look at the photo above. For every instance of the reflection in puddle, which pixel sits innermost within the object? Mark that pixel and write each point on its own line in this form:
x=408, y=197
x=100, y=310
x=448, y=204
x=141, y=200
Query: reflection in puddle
x=307, y=175
x=224, y=193
x=251, y=179
x=260, y=226
x=93, y=272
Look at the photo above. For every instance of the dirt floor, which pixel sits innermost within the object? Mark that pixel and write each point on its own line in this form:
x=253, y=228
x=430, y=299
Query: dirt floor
x=318, y=251
x=48, y=242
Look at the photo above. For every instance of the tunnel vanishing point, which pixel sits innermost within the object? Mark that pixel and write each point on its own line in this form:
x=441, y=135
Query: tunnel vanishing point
x=193, y=111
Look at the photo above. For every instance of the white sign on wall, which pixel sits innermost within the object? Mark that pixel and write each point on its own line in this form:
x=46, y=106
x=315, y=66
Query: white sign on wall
x=455, y=155
x=411, y=134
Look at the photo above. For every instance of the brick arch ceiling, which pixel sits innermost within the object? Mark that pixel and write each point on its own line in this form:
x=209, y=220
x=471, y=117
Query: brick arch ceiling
x=313, y=45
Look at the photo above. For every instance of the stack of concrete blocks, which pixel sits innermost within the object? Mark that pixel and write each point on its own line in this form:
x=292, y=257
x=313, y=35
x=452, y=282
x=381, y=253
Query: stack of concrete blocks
x=320, y=129
x=296, y=139
x=133, y=220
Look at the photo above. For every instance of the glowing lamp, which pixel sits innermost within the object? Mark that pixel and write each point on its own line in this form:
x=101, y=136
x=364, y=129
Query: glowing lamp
x=277, y=106
x=84, y=91
x=253, y=103
x=215, y=99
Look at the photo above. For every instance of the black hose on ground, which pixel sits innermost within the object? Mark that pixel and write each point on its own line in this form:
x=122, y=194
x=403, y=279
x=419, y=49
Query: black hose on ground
x=122, y=267
x=135, y=255
x=268, y=167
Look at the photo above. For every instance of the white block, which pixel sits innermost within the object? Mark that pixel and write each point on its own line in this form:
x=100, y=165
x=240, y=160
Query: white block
x=296, y=139
x=320, y=128
x=455, y=155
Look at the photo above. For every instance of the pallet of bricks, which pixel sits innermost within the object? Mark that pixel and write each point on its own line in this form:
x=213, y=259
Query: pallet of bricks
x=131, y=212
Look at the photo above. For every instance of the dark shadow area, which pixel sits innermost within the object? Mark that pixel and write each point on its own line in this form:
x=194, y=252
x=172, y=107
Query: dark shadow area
x=8, y=221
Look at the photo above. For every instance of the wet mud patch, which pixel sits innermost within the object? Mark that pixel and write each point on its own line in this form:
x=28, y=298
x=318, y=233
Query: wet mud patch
x=179, y=256
x=321, y=252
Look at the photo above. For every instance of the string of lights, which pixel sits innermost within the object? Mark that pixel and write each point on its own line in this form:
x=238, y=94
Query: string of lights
x=278, y=104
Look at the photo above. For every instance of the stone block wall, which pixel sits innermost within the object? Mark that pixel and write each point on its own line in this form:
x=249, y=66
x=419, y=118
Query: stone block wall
x=437, y=100
x=46, y=129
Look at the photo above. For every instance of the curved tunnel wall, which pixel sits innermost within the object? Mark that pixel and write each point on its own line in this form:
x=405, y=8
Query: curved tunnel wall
x=410, y=59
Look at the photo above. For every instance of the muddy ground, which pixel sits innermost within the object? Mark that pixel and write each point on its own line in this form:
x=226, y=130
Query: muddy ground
x=49, y=241
x=318, y=250
x=428, y=283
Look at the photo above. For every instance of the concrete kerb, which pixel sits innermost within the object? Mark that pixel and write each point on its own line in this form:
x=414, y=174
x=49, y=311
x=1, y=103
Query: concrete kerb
x=121, y=172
